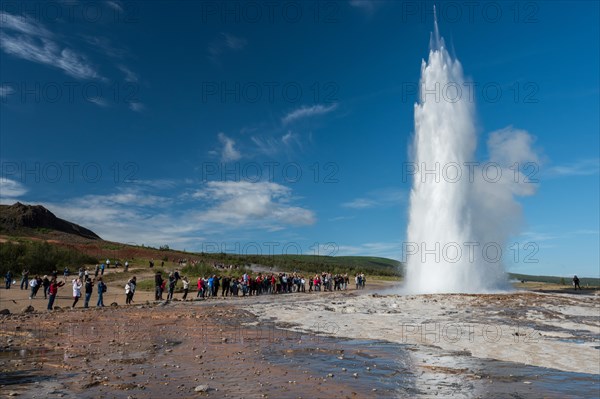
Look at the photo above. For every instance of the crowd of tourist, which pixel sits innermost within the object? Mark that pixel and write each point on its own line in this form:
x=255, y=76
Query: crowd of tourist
x=261, y=284
x=84, y=284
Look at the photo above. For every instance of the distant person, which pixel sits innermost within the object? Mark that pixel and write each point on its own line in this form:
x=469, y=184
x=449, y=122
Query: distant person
x=97, y=271
x=53, y=291
x=130, y=290
x=158, y=283
x=576, y=283
x=8, y=279
x=34, y=283
x=101, y=291
x=200, y=286
x=102, y=266
x=24, y=278
x=172, y=283
x=77, y=284
x=186, y=287
x=66, y=273
x=46, y=284
x=126, y=265
x=89, y=288
x=108, y=263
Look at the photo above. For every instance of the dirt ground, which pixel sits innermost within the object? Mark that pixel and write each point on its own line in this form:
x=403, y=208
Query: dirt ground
x=318, y=345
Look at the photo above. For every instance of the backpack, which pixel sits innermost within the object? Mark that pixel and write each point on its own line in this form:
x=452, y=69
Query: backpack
x=103, y=287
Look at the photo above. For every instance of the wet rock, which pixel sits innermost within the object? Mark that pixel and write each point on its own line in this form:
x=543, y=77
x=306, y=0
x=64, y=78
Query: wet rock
x=114, y=305
x=202, y=388
x=4, y=312
x=28, y=309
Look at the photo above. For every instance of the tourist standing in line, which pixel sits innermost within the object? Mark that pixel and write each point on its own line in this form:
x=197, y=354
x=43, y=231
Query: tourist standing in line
x=76, y=291
x=186, y=287
x=172, y=283
x=24, y=278
x=101, y=291
x=8, y=279
x=158, y=282
x=46, y=284
x=89, y=288
x=33, y=283
x=53, y=291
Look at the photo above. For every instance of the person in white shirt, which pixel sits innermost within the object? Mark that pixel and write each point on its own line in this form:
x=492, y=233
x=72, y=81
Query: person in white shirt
x=130, y=290
x=76, y=290
x=33, y=283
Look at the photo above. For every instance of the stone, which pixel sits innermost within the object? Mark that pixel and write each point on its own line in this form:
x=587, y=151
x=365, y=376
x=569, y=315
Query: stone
x=202, y=388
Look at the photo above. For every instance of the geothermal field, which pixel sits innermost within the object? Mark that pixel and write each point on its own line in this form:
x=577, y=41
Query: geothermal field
x=279, y=203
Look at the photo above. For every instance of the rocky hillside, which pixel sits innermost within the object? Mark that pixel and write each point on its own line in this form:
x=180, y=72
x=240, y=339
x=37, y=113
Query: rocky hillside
x=18, y=217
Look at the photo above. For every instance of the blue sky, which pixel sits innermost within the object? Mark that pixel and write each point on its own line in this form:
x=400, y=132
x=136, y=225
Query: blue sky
x=254, y=127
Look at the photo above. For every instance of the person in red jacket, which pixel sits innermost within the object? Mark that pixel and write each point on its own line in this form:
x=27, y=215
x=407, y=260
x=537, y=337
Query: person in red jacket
x=200, y=287
x=53, y=290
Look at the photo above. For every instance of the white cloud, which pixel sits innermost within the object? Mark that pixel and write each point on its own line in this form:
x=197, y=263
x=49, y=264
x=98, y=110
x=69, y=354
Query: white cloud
x=130, y=76
x=98, y=101
x=509, y=146
x=306, y=112
x=367, y=6
x=228, y=153
x=392, y=250
x=225, y=42
x=583, y=167
x=273, y=145
x=10, y=190
x=130, y=215
x=22, y=24
x=115, y=5
x=137, y=106
x=244, y=203
x=359, y=203
x=234, y=43
x=25, y=38
x=378, y=198
x=6, y=90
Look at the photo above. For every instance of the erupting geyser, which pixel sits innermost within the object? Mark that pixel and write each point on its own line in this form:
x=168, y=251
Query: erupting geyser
x=460, y=218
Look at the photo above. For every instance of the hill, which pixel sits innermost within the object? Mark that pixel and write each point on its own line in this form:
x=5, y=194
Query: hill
x=27, y=219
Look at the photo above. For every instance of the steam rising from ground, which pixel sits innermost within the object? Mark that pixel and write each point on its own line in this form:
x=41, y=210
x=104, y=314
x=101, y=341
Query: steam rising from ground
x=462, y=214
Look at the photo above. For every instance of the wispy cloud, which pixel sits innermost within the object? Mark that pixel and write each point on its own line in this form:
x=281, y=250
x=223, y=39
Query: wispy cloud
x=28, y=39
x=225, y=42
x=104, y=46
x=234, y=43
x=6, y=90
x=228, y=153
x=392, y=249
x=340, y=218
x=583, y=167
x=137, y=106
x=307, y=112
x=10, y=190
x=367, y=6
x=273, y=145
x=98, y=101
x=378, y=198
x=130, y=76
x=360, y=203
x=115, y=5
